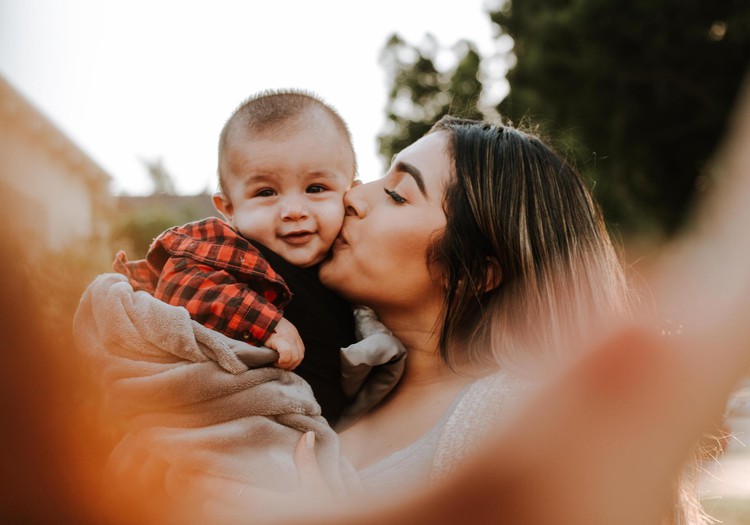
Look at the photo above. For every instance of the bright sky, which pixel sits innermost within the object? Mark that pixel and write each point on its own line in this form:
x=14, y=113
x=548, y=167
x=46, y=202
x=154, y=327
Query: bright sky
x=149, y=79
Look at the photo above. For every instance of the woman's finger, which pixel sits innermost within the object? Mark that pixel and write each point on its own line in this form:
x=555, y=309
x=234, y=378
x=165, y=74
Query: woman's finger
x=304, y=453
x=311, y=478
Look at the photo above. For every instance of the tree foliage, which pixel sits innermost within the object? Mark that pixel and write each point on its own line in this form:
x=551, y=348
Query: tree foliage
x=421, y=92
x=639, y=90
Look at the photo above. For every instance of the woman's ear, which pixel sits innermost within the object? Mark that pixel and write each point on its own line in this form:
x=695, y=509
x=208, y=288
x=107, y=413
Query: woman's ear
x=493, y=277
x=223, y=205
x=494, y=274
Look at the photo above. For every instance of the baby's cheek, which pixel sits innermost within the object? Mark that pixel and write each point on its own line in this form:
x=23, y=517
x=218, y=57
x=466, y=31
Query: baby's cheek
x=332, y=217
x=257, y=225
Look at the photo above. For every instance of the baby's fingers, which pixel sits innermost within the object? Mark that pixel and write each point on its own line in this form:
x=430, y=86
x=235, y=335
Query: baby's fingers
x=287, y=354
x=290, y=352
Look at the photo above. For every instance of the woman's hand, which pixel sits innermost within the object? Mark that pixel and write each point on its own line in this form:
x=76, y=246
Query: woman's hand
x=235, y=502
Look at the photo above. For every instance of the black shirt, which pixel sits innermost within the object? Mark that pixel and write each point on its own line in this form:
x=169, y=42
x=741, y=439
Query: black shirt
x=325, y=322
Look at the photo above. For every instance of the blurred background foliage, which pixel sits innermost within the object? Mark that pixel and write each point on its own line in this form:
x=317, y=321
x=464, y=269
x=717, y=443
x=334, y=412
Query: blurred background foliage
x=636, y=94
x=420, y=93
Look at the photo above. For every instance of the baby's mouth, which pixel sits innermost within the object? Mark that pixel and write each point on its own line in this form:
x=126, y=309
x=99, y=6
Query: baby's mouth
x=298, y=237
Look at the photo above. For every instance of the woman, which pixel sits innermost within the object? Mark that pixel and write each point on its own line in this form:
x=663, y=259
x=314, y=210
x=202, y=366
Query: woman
x=478, y=246
x=603, y=439
x=481, y=249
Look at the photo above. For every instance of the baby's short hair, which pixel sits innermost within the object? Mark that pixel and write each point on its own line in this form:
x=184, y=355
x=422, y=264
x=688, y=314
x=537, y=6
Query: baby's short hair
x=266, y=113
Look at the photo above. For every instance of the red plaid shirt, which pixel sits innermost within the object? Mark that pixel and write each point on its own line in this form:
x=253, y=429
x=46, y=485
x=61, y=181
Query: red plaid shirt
x=216, y=274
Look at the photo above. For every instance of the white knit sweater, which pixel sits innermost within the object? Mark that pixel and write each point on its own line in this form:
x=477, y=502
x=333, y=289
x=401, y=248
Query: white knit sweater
x=486, y=402
x=450, y=442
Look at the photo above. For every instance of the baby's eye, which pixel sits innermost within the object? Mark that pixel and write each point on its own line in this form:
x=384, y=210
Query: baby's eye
x=398, y=199
x=266, y=192
x=316, y=188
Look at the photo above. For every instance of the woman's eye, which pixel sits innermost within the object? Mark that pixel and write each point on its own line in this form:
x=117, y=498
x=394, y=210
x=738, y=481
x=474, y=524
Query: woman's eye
x=265, y=193
x=398, y=199
x=316, y=188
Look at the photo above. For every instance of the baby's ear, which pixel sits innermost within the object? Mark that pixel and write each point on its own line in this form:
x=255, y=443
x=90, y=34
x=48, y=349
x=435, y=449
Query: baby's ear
x=223, y=205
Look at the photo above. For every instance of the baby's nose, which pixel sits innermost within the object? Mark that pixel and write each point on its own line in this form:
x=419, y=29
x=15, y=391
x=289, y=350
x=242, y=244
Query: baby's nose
x=293, y=209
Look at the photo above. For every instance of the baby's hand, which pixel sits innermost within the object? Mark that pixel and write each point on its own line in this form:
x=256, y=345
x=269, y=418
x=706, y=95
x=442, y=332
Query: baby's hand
x=286, y=341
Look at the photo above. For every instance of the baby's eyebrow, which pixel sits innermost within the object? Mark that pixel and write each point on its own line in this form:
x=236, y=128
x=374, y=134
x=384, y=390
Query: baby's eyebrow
x=258, y=178
x=414, y=172
x=321, y=173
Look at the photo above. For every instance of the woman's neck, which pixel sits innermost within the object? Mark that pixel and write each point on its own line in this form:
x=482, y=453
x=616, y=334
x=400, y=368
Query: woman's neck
x=424, y=373
x=420, y=335
x=416, y=324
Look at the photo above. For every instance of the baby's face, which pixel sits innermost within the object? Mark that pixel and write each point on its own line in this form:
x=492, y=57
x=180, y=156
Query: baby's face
x=287, y=193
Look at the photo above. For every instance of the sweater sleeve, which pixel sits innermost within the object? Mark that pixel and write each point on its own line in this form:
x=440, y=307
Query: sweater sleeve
x=218, y=300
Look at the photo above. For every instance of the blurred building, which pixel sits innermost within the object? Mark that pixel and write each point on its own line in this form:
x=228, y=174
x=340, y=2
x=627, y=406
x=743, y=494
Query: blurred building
x=139, y=219
x=183, y=208
x=51, y=193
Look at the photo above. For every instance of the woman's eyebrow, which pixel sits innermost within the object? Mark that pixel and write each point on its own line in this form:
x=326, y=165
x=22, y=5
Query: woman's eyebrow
x=414, y=172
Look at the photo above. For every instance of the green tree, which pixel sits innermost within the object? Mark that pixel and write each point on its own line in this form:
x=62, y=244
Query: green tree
x=421, y=92
x=638, y=91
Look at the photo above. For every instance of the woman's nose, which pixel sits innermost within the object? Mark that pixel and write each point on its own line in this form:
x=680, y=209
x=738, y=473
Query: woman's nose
x=355, y=201
x=293, y=209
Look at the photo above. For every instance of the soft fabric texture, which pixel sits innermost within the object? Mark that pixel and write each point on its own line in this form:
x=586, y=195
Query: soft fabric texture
x=482, y=407
x=188, y=402
x=411, y=466
x=457, y=435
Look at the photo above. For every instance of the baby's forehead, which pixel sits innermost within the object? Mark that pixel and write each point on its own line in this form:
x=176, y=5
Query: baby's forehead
x=306, y=157
x=311, y=120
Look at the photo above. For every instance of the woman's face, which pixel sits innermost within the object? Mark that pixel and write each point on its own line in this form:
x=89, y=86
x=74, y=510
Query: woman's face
x=380, y=257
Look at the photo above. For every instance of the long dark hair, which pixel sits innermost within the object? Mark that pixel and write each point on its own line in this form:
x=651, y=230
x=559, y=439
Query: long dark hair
x=525, y=254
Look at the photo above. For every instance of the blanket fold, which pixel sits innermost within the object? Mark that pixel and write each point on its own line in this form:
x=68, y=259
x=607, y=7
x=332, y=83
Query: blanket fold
x=188, y=403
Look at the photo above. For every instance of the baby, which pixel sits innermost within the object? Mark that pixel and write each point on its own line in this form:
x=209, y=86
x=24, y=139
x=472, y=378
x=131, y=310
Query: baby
x=285, y=161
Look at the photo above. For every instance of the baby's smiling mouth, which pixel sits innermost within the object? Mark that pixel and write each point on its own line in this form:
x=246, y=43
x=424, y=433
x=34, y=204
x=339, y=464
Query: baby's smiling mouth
x=297, y=237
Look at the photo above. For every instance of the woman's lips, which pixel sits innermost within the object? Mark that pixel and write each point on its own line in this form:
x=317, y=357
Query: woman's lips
x=340, y=240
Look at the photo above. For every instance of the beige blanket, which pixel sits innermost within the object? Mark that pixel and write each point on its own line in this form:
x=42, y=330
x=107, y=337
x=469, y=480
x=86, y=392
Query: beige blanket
x=188, y=403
